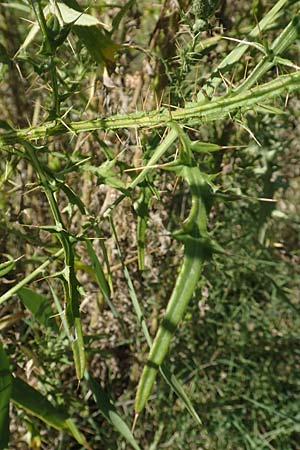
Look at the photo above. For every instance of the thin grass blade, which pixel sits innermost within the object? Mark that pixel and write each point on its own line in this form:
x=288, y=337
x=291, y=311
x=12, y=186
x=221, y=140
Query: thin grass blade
x=100, y=277
x=110, y=413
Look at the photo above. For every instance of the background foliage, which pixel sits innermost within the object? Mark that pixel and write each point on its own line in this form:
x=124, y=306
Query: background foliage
x=236, y=352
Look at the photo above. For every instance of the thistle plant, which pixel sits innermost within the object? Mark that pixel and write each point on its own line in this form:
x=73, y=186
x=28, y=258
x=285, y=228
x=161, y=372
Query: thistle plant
x=146, y=240
x=203, y=9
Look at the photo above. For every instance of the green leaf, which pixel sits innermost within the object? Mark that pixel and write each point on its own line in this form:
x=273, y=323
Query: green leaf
x=33, y=31
x=78, y=349
x=6, y=267
x=117, y=19
x=39, y=306
x=5, y=393
x=107, y=175
x=96, y=40
x=73, y=198
x=76, y=434
x=141, y=207
x=98, y=43
x=100, y=277
x=236, y=54
x=177, y=387
x=4, y=58
x=269, y=109
x=70, y=15
x=204, y=147
x=36, y=404
x=110, y=413
x=18, y=6
x=168, y=376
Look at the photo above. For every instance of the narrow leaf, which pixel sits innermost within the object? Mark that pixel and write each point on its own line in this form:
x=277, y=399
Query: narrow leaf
x=39, y=306
x=5, y=393
x=36, y=404
x=100, y=277
x=33, y=32
x=142, y=209
x=117, y=19
x=76, y=434
x=236, y=54
x=73, y=198
x=6, y=267
x=110, y=413
x=78, y=349
x=204, y=147
x=107, y=175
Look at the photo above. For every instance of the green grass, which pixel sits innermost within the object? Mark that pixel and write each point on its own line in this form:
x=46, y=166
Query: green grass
x=149, y=155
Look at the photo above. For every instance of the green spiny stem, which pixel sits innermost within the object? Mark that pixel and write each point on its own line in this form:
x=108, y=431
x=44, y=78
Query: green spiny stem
x=182, y=293
x=70, y=281
x=50, y=50
x=38, y=11
x=194, y=112
x=196, y=251
x=161, y=149
x=235, y=55
x=281, y=43
x=226, y=104
x=71, y=286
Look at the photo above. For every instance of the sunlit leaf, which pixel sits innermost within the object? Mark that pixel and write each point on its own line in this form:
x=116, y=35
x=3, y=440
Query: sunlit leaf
x=36, y=404
x=96, y=40
x=70, y=15
x=78, y=349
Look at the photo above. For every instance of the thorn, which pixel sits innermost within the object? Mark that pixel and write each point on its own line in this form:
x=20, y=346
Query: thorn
x=136, y=416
